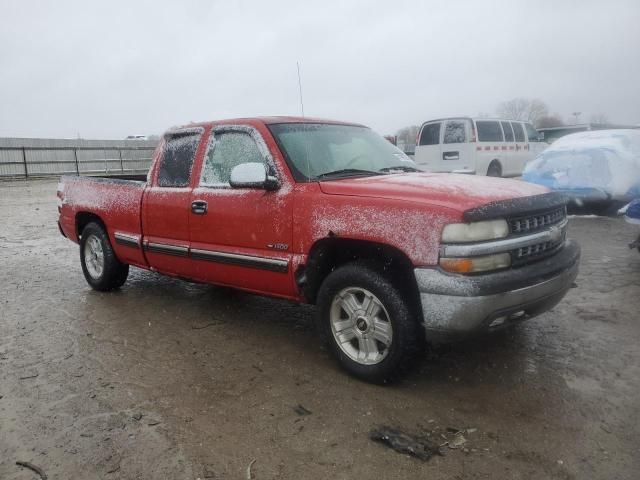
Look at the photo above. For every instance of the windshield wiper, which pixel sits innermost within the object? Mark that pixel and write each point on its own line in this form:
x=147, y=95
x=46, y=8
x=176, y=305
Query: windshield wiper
x=401, y=168
x=347, y=172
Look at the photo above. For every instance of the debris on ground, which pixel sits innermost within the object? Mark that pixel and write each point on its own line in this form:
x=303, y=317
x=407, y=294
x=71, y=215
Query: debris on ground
x=423, y=446
x=249, y=469
x=300, y=410
x=207, y=325
x=418, y=446
x=137, y=416
x=25, y=377
x=33, y=468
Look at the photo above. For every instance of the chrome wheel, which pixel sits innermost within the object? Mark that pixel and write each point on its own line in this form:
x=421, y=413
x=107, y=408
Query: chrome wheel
x=94, y=256
x=361, y=325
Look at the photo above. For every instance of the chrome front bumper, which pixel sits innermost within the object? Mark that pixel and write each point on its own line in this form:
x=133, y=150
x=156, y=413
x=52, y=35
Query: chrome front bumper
x=457, y=305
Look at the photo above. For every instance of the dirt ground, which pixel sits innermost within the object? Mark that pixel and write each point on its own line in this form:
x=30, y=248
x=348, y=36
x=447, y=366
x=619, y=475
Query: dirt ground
x=170, y=380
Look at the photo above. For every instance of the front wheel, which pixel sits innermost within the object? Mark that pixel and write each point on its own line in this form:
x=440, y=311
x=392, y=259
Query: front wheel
x=102, y=269
x=368, y=323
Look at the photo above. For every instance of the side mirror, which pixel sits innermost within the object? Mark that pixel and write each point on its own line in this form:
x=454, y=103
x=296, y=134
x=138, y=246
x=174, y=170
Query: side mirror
x=252, y=175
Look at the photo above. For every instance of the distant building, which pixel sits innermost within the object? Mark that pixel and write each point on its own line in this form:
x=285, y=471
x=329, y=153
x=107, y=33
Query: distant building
x=551, y=134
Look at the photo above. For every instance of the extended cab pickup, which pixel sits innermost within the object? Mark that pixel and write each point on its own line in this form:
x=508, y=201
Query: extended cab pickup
x=329, y=213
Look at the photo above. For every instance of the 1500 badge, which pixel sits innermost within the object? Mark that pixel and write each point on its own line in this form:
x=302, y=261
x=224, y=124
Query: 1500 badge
x=278, y=246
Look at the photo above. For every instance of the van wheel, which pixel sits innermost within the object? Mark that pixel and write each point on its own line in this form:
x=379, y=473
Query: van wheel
x=368, y=324
x=102, y=269
x=495, y=169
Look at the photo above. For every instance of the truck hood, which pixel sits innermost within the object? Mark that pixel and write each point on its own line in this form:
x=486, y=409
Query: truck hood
x=457, y=192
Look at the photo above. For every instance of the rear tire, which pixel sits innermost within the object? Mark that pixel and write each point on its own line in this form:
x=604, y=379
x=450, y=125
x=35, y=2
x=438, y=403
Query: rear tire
x=367, y=323
x=102, y=269
x=495, y=169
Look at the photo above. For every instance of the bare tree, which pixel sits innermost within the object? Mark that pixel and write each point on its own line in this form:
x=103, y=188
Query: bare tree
x=407, y=135
x=548, y=121
x=526, y=109
x=600, y=118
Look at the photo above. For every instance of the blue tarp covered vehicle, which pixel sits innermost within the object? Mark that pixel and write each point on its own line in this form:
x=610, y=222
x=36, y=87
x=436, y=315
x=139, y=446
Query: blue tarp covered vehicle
x=598, y=168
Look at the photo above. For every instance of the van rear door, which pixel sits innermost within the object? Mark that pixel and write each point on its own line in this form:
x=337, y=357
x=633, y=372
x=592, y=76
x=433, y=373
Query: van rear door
x=427, y=155
x=458, y=155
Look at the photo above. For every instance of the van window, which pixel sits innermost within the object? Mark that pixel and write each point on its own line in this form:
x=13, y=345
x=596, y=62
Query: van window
x=532, y=133
x=455, y=132
x=430, y=134
x=518, y=131
x=508, y=131
x=177, y=159
x=489, y=131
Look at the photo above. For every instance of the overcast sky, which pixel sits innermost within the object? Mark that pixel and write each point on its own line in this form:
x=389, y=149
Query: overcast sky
x=110, y=69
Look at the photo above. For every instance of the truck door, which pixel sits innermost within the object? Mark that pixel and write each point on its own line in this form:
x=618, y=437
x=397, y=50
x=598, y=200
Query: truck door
x=457, y=154
x=240, y=236
x=166, y=206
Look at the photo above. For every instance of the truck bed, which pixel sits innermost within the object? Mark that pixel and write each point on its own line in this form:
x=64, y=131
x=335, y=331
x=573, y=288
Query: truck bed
x=116, y=201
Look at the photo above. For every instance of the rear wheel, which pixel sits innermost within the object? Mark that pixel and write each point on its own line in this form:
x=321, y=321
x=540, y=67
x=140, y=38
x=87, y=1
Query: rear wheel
x=102, y=269
x=495, y=169
x=368, y=323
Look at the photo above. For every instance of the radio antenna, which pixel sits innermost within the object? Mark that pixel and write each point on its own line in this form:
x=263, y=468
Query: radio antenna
x=300, y=89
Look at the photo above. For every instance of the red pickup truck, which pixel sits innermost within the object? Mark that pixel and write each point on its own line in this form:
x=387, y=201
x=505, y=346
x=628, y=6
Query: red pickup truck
x=329, y=213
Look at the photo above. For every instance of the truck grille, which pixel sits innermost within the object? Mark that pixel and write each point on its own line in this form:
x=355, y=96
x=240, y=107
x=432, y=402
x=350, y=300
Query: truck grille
x=535, y=252
x=534, y=223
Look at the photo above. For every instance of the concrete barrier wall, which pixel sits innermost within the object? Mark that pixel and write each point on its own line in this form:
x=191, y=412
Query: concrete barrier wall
x=42, y=157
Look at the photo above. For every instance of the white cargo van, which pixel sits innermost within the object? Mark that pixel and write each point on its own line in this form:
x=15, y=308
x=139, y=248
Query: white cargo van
x=482, y=146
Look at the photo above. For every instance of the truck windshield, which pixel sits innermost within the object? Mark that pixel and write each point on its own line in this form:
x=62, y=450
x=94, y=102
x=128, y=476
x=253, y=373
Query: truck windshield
x=324, y=151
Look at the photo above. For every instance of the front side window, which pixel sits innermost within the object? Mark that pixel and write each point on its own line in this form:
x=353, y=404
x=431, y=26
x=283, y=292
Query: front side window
x=455, y=132
x=518, y=131
x=430, y=134
x=489, y=131
x=226, y=151
x=177, y=159
x=508, y=132
x=532, y=133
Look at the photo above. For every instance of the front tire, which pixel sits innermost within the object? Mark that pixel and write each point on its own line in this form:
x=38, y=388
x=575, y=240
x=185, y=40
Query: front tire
x=102, y=269
x=367, y=323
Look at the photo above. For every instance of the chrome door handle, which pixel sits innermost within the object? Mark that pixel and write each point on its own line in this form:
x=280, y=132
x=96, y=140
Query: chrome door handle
x=199, y=207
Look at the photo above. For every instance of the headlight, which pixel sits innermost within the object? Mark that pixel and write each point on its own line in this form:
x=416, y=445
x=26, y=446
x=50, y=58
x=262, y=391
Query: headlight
x=476, y=231
x=476, y=264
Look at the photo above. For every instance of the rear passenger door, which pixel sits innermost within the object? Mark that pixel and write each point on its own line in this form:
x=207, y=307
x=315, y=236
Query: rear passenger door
x=427, y=155
x=166, y=204
x=456, y=151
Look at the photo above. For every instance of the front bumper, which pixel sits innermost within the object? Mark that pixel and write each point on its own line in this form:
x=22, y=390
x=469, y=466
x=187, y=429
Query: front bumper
x=459, y=305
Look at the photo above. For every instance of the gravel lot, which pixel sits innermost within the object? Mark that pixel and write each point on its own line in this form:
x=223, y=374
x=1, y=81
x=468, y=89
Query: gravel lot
x=166, y=379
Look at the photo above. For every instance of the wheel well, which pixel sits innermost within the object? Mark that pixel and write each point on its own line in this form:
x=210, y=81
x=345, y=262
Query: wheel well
x=84, y=218
x=330, y=253
x=496, y=162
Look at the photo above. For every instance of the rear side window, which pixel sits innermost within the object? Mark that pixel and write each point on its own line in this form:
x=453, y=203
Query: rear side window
x=455, y=132
x=532, y=133
x=508, y=132
x=518, y=131
x=430, y=134
x=489, y=131
x=177, y=159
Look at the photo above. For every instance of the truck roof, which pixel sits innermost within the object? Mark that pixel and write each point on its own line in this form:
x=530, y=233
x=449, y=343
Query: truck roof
x=270, y=120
